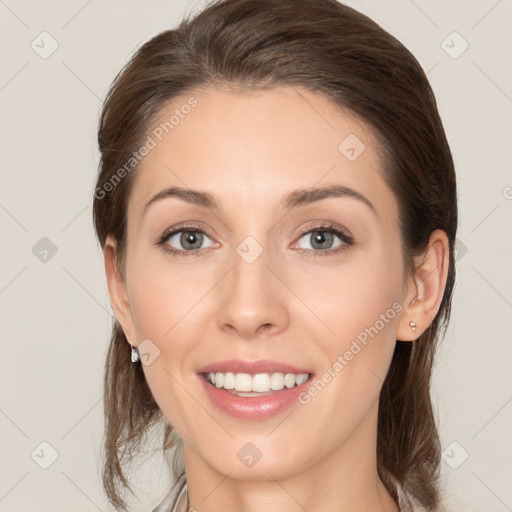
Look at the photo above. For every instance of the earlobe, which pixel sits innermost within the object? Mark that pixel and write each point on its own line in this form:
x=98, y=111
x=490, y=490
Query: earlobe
x=117, y=289
x=426, y=287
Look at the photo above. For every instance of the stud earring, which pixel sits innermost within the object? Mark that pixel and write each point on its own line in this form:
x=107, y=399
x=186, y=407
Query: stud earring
x=413, y=326
x=135, y=354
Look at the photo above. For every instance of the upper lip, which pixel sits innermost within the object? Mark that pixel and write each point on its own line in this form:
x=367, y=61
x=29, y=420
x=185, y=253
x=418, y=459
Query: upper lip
x=251, y=367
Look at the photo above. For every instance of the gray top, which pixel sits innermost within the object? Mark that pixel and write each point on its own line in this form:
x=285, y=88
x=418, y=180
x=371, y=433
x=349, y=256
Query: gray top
x=177, y=499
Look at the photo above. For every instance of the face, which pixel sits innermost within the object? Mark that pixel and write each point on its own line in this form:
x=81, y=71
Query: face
x=269, y=281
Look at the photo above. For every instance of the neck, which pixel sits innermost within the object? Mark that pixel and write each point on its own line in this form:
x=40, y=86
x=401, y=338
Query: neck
x=344, y=480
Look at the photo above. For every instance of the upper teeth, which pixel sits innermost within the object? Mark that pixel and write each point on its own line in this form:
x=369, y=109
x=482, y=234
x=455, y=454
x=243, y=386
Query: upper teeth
x=261, y=382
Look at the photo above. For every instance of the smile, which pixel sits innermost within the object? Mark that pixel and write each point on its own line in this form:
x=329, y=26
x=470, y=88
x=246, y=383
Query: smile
x=256, y=396
x=245, y=384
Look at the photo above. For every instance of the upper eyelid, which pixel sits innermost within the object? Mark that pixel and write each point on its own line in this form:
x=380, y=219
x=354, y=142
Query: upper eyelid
x=325, y=226
x=322, y=226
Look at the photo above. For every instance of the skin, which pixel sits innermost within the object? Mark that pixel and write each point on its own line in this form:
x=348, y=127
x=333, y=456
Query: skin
x=250, y=149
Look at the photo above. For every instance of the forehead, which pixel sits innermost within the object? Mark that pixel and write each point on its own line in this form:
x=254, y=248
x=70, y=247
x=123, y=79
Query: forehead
x=251, y=147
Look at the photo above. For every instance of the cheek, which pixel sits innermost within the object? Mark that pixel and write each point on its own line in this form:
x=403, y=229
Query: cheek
x=359, y=330
x=163, y=298
x=357, y=357
x=163, y=311
x=166, y=306
x=359, y=296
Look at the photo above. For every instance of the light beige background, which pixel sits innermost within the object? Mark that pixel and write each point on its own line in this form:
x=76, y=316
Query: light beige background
x=55, y=312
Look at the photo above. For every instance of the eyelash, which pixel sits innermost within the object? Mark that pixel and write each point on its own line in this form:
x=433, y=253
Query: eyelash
x=326, y=227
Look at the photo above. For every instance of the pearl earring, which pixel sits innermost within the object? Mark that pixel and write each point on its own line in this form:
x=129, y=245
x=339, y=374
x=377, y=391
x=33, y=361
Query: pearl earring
x=413, y=326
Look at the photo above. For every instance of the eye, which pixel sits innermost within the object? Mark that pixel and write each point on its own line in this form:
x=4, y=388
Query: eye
x=188, y=240
x=184, y=240
x=322, y=239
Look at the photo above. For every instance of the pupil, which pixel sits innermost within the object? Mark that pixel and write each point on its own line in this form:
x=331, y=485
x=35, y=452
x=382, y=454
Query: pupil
x=322, y=236
x=192, y=238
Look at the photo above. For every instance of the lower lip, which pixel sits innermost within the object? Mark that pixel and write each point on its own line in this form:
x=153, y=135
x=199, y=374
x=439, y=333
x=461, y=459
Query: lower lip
x=254, y=408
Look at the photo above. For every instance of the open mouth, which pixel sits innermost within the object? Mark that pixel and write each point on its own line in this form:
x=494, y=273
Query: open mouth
x=243, y=390
x=260, y=384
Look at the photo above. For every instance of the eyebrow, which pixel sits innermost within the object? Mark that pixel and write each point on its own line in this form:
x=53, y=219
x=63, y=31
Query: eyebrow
x=294, y=199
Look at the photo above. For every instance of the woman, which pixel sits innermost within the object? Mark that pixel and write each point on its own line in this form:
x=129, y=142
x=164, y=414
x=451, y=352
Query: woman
x=277, y=208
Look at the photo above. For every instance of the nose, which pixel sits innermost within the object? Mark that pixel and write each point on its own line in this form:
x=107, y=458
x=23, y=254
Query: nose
x=252, y=299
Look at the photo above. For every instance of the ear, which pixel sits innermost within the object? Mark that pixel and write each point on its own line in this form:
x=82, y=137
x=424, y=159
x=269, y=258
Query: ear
x=426, y=288
x=118, y=291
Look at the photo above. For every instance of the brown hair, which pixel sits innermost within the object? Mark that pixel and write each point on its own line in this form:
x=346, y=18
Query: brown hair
x=347, y=58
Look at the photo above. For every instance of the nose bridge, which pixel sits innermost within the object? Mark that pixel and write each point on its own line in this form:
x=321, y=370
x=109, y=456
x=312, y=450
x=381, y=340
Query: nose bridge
x=250, y=286
x=250, y=297
x=250, y=263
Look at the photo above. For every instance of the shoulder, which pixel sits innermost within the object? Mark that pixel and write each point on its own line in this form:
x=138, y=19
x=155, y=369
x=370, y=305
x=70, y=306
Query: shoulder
x=177, y=498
